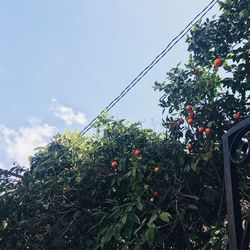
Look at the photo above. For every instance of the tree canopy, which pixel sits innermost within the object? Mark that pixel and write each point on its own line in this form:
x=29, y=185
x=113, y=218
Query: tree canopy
x=126, y=187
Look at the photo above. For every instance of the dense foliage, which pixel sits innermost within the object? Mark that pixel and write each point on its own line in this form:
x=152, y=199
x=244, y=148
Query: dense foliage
x=130, y=188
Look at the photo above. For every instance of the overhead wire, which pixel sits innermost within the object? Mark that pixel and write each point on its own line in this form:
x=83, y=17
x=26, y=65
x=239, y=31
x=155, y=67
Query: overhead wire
x=171, y=44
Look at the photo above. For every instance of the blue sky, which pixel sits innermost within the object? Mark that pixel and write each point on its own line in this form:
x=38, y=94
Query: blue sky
x=62, y=61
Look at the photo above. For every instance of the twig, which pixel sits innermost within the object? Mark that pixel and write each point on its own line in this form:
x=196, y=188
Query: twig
x=191, y=196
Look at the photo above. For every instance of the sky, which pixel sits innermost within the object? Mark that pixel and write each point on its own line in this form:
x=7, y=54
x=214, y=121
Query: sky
x=62, y=62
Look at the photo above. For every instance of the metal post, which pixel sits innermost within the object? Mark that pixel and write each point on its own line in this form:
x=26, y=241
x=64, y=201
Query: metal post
x=237, y=241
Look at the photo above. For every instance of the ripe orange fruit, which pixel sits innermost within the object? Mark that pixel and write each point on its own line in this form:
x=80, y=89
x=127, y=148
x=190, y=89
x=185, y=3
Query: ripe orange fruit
x=181, y=120
x=157, y=170
x=189, y=146
x=190, y=121
x=237, y=116
x=218, y=62
x=191, y=114
x=137, y=152
x=189, y=107
x=156, y=194
x=200, y=129
x=208, y=131
x=114, y=164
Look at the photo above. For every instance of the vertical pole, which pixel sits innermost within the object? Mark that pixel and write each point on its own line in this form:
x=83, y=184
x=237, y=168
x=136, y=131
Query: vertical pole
x=232, y=197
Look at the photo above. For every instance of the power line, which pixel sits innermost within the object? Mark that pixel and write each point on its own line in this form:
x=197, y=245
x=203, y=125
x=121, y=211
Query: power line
x=172, y=43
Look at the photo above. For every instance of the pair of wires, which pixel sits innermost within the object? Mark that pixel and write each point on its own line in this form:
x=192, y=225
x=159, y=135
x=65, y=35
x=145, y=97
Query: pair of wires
x=145, y=71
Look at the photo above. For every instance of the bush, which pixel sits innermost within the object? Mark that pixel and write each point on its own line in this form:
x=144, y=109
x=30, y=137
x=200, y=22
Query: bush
x=97, y=192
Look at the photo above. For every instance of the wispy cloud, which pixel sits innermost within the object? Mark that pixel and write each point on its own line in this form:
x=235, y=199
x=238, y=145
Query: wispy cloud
x=67, y=114
x=18, y=145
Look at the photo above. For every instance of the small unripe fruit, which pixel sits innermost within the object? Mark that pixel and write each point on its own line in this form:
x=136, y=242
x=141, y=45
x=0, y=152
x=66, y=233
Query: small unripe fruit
x=208, y=131
x=189, y=146
x=157, y=170
x=218, y=62
x=137, y=152
x=209, y=84
x=189, y=107
x=114, y=164
x=200, y=129
x=66, y=191
x=237, y=116
x=173, y=123
x=196, y=72
x=190, y=121
x=211, y=149
x=181, y=120
x=156, y=195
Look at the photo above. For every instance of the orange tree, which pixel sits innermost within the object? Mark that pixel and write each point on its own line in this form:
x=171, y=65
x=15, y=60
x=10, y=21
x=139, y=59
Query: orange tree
x=75, y=197
x=208, y=96
x=130, y=188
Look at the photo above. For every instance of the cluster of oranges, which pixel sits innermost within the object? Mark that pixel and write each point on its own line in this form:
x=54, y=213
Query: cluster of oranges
x=137, y=152
x=157, y=170
x=218, y=62
x=208, y=131
x=191, y=115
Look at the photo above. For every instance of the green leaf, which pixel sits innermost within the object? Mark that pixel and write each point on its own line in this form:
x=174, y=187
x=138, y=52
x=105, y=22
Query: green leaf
x=39, y=148
x=206, y=156
x=116, y=214
x=209, y=124
x=134, y=218
x=164, y=216
x=192, y=206
x=193, y=166
x=110, y=201
x=103, y=241
x=124, y=219
x=129, y=208
x=150, y=235
x=133, y=171
x=128, y=230
x=125, y=247
x=152, y=219
x=78, y=179
x=139, y=204
x=137, y=247
x=117, y=232
x=4, y=224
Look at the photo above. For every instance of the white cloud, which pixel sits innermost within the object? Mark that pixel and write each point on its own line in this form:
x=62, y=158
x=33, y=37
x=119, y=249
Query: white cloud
x=18, y=145
x=68, y=115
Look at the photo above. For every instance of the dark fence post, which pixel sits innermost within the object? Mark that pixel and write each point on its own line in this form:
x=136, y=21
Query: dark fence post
x=236, y=152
